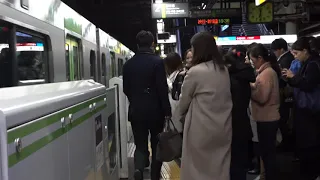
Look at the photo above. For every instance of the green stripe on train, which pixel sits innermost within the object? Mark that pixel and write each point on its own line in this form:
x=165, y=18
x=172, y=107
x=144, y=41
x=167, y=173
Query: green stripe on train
x=37, y=145
x=35, y=126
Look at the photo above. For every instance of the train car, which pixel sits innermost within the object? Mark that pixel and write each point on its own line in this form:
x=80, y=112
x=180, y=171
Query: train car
x=47, y=41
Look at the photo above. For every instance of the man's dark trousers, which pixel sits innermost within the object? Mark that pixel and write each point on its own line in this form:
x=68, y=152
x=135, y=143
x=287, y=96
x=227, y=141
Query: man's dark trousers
x=141, y=130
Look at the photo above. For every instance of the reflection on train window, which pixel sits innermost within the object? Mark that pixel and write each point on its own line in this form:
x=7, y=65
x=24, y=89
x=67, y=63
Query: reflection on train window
x=74, y=64
x=120, y=65
x=32, y=58
x=104, y=68
x=93, y=65
x=113, y=64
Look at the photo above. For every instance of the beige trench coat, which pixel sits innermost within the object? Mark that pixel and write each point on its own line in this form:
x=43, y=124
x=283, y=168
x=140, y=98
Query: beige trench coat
x=206, y=101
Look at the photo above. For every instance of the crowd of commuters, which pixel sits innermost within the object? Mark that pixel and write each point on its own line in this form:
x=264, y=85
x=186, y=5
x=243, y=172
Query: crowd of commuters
x=228, y=106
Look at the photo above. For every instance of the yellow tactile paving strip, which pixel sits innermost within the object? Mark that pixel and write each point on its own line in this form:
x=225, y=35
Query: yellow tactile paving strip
x=169, y=170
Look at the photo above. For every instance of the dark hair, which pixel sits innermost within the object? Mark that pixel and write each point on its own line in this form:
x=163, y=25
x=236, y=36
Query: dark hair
x=144, y=39
x=279, y=44
x=230, y=58
x=221, y=50
x=205, y=49
x=301, y=44
x=259, y=50
x=172, y=62
x=306, y=43
x=251, y=45
x=186, y=53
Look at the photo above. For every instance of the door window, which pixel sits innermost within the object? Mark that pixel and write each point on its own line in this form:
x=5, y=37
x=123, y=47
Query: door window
x=73, y=59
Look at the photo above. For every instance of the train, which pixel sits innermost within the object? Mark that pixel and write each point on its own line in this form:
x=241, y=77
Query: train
x=45, y=41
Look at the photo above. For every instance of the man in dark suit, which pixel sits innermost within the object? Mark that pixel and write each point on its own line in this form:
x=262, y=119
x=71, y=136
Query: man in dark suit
x=145, y=85
x=285, y=58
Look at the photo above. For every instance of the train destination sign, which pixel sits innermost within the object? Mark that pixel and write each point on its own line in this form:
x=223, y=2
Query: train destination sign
x=170, y=10
x=211, y=21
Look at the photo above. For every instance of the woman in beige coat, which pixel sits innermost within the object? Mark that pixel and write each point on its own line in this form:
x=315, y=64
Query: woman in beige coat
x=206, y=102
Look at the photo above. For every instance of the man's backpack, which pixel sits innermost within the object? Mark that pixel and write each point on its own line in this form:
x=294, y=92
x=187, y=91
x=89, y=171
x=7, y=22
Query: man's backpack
x=176, y=85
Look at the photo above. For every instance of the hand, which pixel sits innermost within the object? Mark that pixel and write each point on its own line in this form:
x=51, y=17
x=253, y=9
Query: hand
x=287, y=73
x=253, y=85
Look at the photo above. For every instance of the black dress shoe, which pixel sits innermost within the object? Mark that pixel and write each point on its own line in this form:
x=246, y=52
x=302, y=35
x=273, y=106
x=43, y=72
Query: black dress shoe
x=138, y=175
x=147, y=163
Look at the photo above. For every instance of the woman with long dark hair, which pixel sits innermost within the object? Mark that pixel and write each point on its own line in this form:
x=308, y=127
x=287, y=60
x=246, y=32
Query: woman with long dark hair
x=306, y=94
x=207, y=103
x=265, y=102
x=174, y=66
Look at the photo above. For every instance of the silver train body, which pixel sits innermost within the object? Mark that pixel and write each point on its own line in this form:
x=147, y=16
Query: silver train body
x=44, y=41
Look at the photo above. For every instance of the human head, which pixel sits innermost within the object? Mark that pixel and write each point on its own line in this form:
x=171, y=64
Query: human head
x=240, y=52
x=204, y=49
x=279, y=46
x=172, y=62
x=259, y=55
x=221, y=50
x=301, y=49
x=145, y=39
x=188, y=58
x=247, y=58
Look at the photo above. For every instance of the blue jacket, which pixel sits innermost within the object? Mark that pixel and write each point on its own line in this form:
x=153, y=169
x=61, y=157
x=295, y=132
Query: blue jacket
x=295, y=66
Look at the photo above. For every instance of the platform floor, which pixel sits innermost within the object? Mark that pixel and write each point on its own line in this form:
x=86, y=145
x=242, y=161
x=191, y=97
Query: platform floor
x=169, y=171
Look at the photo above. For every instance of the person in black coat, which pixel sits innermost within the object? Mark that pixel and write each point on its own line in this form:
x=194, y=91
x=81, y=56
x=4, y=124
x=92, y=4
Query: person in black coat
x=241, y=75
x=145, y=85
x=285, y=58
x=307, y=121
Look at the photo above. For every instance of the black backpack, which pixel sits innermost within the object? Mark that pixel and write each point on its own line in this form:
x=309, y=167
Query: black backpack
x=176, y=85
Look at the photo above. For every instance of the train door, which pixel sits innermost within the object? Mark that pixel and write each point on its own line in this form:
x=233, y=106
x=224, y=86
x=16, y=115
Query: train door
x=120, y=66
x=73, y=59
x=113, y=64
x=104, y=68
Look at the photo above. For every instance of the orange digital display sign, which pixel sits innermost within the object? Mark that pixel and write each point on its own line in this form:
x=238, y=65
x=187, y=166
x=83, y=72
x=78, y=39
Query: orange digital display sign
x=213, y=21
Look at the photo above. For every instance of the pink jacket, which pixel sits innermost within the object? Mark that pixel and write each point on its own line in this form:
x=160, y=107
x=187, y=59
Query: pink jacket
x=265, y=98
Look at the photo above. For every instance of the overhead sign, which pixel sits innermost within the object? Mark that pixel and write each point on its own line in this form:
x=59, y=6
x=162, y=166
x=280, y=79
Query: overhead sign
x=212, y=21
x=172, y=39
x=259, y=2
x=246, y=40
x=216, y=13
x=170, y=10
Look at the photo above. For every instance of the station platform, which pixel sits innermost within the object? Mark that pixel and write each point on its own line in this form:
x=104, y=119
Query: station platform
x=286, y=168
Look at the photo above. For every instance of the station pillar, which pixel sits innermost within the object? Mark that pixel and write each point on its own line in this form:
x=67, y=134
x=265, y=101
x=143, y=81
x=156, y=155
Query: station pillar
x=291, y=27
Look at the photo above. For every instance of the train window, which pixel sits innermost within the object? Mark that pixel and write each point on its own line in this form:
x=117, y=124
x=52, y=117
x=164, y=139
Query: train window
x=113, y=64
x=120, y=65
x=25, y=64
x=74, y=63
x=93, y=64
x=6, y=63
x=32, y=58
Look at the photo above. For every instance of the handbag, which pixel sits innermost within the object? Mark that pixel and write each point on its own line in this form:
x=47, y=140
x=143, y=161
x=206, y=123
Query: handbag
x=170, y=143
x=308, y=100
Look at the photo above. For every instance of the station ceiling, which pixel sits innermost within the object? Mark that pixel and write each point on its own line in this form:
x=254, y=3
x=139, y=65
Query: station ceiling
x=122, y=19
